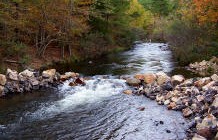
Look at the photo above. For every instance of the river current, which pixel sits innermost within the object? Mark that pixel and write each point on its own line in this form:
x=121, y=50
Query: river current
x=98, y=110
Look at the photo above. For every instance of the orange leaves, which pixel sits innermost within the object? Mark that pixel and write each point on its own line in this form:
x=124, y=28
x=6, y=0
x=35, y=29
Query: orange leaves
x=206, y=11
x=201, y=11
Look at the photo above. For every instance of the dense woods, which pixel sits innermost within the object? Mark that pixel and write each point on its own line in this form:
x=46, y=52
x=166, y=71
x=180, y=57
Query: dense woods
x=189, y=26
x=37, y=31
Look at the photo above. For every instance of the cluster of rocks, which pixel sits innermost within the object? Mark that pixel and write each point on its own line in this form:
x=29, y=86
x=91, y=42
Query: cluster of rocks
x=29, y=80
x=204, y=67
x=196, y=98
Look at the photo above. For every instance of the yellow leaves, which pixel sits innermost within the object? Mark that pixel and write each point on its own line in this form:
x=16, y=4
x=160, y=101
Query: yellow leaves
x=140, y=17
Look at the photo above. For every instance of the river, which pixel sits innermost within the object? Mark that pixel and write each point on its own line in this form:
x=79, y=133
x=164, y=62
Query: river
x=98, y=110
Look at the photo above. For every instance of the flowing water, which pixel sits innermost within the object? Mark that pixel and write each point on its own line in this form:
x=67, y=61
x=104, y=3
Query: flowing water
x=98, y=110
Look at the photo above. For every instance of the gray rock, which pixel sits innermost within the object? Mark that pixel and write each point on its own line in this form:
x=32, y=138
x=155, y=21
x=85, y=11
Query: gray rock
x=167, y=86
x=27, y=73
x=177, y=79
x=13, y=87
x=12, y=74
x=35, y=83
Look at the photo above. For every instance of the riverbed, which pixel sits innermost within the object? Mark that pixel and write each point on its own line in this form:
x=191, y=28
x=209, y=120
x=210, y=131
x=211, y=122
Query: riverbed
x=98, y=110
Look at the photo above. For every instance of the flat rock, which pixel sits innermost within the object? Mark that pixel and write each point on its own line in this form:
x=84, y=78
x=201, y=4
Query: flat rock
x=133, y=82
x=128, y=92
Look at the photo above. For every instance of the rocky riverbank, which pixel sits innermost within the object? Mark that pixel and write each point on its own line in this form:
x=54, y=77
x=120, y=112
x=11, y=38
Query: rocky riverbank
x=29, y=80
x=204, y=67
x=196, y=98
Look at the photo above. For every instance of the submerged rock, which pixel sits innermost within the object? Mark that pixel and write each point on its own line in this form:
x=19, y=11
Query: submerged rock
x=128, y=92
x=80, y=81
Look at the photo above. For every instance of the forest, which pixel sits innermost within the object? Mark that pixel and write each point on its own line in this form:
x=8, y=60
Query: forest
x=37, y=32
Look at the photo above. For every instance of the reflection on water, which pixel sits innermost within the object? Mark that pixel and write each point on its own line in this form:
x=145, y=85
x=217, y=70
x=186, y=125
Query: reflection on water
x=143, y=58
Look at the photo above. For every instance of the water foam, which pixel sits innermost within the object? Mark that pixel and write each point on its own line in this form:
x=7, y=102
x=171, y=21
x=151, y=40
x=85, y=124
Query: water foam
x=94, y=91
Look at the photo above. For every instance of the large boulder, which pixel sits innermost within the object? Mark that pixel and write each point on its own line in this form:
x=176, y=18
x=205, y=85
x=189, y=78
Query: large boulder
x=149, y=78
x=3, y=79
x=27, y=73
x=12, y=74
x=49, y=73
x=133, y=82
x=162, y=78
x=177, y=79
